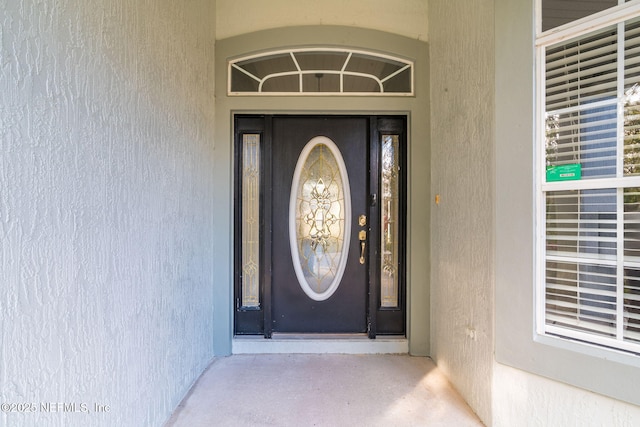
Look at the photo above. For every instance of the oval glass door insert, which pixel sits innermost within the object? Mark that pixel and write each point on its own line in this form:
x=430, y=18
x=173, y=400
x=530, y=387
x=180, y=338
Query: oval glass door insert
x=320, y=218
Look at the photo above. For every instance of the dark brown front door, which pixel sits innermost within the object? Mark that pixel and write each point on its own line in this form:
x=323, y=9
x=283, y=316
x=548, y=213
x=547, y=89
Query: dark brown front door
x=311, y=207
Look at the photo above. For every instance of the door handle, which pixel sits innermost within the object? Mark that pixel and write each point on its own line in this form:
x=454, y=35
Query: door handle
x=363, y=244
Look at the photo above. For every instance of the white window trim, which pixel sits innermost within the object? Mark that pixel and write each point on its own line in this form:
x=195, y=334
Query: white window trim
x=584, y=25
x=601, y=347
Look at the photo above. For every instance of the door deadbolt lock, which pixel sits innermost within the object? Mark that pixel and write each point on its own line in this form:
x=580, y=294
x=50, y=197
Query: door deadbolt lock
x=362, y=220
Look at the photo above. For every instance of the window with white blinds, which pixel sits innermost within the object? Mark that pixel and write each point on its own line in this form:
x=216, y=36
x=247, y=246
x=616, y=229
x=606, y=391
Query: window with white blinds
x=589, y=185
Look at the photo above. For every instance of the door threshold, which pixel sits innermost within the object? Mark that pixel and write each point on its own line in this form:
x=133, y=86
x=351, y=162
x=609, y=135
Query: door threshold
x=319, y=344
x=318, y=336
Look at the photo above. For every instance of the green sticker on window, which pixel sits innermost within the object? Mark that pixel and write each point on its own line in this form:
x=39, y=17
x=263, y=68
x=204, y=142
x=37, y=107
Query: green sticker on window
x=564, y=172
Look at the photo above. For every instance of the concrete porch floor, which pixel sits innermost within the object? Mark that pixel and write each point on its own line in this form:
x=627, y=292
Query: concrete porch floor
x=322, y=390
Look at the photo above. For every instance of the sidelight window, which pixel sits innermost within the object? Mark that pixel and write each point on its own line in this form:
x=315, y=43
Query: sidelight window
x=250, y=220
x=390, y=232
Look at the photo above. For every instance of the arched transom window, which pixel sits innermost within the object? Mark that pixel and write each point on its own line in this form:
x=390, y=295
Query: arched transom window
x=320, y=71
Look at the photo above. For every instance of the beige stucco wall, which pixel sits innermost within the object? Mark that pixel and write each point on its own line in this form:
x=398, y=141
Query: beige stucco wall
x=462, y=102
x=523, y=399
x=106, y=153
x=404, y=17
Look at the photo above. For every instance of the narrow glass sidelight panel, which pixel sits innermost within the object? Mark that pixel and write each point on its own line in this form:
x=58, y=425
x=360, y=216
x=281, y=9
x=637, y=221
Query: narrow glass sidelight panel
x=320, y=218
x=390, y=226
x=250, y=220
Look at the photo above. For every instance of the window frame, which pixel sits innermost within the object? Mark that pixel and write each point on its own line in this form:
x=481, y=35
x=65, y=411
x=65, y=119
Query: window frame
x=585, y=342
x=300, y=73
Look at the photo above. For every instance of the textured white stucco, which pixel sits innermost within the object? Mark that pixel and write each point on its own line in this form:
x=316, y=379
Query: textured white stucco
x=461, y=46
x=106, y=147
x=522, y=399
x=405, y=17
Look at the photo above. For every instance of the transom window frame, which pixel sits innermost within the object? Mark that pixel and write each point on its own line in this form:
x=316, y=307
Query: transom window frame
x=407, y=65
x=618, y=15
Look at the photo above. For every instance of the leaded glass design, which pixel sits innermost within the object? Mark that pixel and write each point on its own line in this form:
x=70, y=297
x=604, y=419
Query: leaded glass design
x=319, y=218
x=390, y=214
x=250, y=220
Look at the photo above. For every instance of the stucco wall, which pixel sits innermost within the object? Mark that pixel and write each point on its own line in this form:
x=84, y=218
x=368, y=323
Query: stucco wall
x=106, y=147
x=404, y=17
x=522, y=399
x=461, y=46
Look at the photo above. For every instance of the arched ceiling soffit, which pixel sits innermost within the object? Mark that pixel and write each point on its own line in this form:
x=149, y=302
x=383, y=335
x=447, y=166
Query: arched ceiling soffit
x=406, y=18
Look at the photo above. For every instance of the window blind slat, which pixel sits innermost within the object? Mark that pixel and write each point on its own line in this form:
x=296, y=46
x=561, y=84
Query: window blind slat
x=582, y=291
x=584, y=323
x=607, y=37
x=632, y=335
x=634, y=316
x=561, y=78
